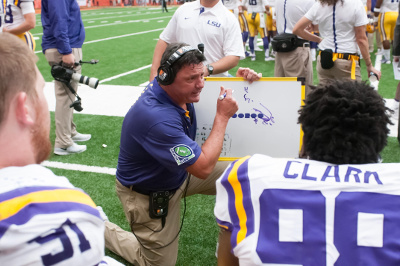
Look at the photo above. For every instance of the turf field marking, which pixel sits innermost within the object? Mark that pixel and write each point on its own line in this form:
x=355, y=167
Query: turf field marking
x=124, y=74
x=115, y=37
x=80, y=167
x=122, y=36
x=115, y=23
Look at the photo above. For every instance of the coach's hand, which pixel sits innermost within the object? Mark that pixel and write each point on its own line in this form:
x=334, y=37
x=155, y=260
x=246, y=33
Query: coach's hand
x=248, y=74
x=227, y=106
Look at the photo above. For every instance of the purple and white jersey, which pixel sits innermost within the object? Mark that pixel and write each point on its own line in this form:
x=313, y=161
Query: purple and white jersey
x=45, y=220
x=14, y=11
x=304, y=212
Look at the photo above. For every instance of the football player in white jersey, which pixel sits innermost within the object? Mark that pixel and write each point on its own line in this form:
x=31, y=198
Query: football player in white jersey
x=271, y=21
x=19, y=19
x=44, y=219
x=235, y=7
x=387, y=12
x=337, y=207
x=256, y=20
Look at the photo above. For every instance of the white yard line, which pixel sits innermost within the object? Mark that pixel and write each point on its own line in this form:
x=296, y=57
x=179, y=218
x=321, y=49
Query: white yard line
x=124, y=74
x=116, y=37
x=129, y=15
x=123, y=36
x=115, y=23
x=80, y=167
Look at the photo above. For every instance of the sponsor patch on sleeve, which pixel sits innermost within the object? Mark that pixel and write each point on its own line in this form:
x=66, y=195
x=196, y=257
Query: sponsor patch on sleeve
x=182, y=153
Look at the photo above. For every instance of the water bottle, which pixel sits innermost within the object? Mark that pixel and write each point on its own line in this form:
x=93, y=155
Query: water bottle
x=373, y=79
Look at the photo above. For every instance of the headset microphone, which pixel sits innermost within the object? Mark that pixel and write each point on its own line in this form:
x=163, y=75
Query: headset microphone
x=200, y=46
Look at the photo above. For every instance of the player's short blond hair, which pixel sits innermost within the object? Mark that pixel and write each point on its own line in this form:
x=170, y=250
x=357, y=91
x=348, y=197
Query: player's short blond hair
x=17, y=71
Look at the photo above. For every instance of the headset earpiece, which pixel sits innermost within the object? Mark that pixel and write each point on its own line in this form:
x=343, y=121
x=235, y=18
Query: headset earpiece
x=165, y=73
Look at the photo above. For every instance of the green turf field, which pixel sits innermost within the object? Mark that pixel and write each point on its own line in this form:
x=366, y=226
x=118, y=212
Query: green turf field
x=123, y=39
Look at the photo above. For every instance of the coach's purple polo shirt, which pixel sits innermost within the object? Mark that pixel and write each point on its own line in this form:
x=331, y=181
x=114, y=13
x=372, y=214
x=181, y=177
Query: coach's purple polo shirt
x=157, y=142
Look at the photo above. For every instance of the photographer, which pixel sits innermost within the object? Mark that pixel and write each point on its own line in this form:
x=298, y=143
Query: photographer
x=63, y=36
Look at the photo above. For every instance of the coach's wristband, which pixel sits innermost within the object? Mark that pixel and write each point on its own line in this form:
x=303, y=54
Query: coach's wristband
x=377, y=9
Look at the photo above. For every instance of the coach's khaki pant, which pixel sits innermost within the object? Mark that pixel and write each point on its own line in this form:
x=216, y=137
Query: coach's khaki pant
x=65, y=127
x=297, y=63
x=149, y=231
x=341, y=70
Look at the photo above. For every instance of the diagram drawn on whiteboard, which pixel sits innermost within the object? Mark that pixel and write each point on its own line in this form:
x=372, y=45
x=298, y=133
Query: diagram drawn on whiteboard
x=266, y=121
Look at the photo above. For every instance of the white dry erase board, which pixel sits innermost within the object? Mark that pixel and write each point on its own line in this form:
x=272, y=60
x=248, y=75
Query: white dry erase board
x=266, y=121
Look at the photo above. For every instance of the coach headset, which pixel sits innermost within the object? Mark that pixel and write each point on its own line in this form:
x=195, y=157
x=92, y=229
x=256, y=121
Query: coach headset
x=165, y=73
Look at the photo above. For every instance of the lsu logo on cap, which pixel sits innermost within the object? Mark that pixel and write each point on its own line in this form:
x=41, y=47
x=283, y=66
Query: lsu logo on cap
x=182, y=153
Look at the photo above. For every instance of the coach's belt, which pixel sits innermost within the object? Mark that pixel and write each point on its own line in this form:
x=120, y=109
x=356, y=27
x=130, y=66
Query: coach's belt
x=145, y=191
x=353, y=57
x=139, y=190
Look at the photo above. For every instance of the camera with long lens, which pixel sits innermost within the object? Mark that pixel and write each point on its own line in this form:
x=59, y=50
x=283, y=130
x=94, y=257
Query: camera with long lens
x=65, y=75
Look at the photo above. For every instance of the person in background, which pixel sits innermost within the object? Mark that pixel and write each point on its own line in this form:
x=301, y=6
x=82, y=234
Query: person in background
x=63, y=37
x=298, y=62
x=19, y=18
x=237, y=9
x=271, y=23
x=337, y=207
x=387, y=12
x=256, y=20
x=338, y=57
x=207, y=22
x=164, y=6
x=376, y=32
x=396, y=57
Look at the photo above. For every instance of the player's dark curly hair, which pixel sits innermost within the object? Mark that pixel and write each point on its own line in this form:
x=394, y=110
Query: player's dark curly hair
x=344, y=122
x=189, y=58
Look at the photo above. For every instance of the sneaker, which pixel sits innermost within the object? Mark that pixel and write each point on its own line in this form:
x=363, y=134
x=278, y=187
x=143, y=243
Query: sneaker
x=81, y=137
x=253, y=58
x=385, y=61
x=256, y=48
x=74, y=148
x=102, y=214
x=247, y=54
x=269, y=58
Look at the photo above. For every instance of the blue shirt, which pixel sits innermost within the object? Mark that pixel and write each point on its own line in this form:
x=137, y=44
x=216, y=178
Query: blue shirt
x=62, y=26
x=157, y=142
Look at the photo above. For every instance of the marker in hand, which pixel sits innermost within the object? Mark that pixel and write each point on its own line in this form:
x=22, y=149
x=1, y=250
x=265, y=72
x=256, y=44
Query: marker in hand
x=221, y=97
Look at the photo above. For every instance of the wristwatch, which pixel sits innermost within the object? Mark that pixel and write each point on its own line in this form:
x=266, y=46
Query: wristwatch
x=210, y=69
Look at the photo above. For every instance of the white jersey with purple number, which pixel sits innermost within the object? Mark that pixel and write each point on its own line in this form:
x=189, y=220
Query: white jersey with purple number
x=310, y=213
x=255, y=6
x=14, y=11
x=45, y=220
